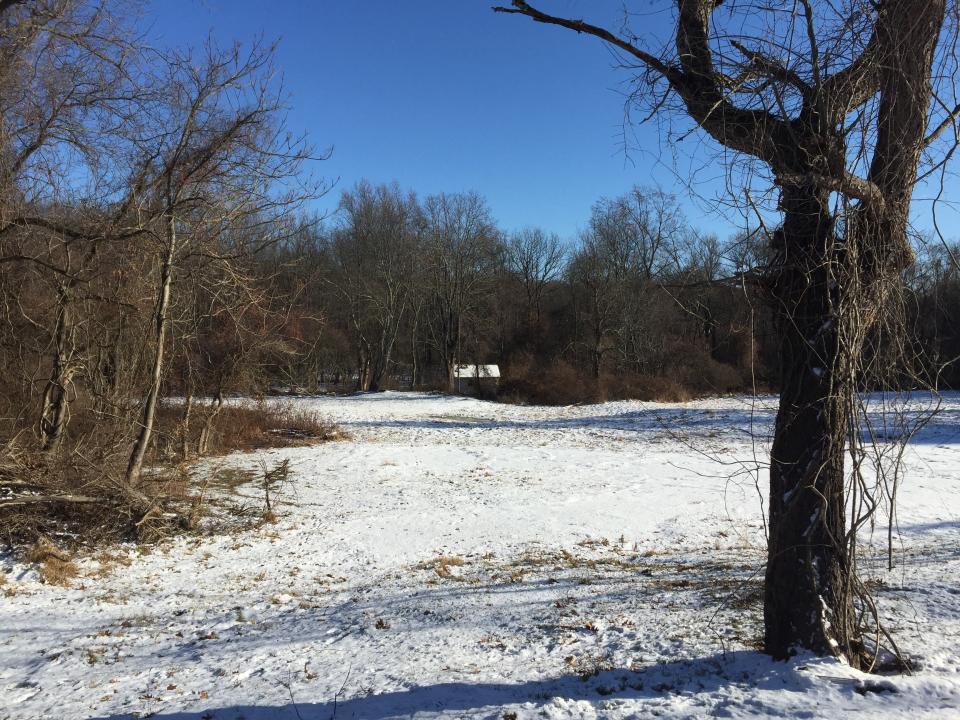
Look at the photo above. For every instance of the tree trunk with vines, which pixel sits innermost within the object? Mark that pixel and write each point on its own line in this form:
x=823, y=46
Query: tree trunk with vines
x=809, y=584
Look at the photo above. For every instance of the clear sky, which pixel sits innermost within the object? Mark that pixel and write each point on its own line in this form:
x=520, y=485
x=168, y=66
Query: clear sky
x=445, y=95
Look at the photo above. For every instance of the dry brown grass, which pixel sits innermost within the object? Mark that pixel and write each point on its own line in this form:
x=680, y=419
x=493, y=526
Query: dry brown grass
x=252, y=427
x=245, y=426
x=108, y=563
x=454, y=560
x=80, y=490
x=595, y=542
x=441, y=566
x=56, y=567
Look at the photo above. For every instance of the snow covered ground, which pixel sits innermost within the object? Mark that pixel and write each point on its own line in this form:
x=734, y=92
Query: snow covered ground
x=463, y=559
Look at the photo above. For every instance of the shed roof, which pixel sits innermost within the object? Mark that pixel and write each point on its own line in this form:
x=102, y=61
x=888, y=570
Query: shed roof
x=476, y=371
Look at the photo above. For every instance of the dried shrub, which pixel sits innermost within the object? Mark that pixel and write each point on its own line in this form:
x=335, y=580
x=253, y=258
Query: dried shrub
x=275, y=480
x=559, y=383
x=56, y=566
x=642, y=387
x=245, y=425
x=562, y=384
x=80, y=492
x=260, y=425
x=77, y=493
x=700, y=374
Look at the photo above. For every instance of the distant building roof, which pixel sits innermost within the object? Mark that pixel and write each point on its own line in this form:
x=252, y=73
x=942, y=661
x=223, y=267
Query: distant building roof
x=466, y=372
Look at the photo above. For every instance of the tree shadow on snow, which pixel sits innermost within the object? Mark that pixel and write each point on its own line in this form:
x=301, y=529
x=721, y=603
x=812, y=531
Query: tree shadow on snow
x=693, y=421
x=704, y=684
x=923, y=423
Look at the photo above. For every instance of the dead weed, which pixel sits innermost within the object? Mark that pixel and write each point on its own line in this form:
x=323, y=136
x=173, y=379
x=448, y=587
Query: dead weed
x=56, y=567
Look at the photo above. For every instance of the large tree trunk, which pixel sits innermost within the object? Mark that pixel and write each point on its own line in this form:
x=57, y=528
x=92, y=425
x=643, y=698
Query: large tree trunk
x=829, y=293
x=381, y=363
x=377, y=371
x=809, y=589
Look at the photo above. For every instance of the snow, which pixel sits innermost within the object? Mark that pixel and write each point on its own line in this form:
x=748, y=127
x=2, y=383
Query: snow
x=465, y=559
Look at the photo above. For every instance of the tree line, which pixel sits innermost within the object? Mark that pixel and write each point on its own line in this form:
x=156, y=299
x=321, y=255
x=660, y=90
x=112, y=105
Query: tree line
x=398, y=290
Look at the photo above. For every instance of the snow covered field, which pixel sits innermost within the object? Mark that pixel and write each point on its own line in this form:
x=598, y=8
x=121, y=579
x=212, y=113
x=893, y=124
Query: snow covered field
x=458, y=558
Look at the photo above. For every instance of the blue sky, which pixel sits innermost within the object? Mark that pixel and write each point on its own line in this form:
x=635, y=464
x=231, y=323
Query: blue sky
x=445, y=95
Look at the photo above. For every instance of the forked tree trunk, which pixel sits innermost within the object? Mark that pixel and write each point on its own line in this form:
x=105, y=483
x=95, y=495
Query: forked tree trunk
x=203, y=444
x=826, y=295
x=829, y=293
x=377, y=372
x=381, y=360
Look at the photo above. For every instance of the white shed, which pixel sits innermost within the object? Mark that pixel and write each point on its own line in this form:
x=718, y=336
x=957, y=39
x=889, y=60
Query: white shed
x=482, y=379
x=477, y=371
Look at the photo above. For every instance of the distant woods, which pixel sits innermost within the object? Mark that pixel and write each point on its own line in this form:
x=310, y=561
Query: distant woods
x=393, y=291
x=402, y=289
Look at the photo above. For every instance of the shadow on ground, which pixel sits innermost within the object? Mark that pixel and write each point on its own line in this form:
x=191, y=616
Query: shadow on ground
x=919, y=417
x=703, y=684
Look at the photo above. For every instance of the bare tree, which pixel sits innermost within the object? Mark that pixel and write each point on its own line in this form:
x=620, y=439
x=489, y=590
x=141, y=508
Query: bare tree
x=64, y=79
x=833, y=101
x=215, y=158
x=631, y=243
x=536, y=259
x=650, y=226
x=374, y=252
x=598, y=292
x=135, y=189
x=461, y=246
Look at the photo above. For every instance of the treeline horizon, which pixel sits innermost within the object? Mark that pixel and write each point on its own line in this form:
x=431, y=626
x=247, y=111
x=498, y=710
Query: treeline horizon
x=640, y=303
x=397, y=291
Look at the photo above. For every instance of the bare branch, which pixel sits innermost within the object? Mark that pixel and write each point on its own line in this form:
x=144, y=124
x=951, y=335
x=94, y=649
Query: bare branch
x=520, y=7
